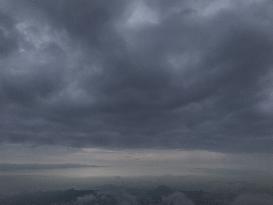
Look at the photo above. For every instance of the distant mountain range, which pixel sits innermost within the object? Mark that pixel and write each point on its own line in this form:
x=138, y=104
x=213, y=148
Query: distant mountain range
x=161, y=195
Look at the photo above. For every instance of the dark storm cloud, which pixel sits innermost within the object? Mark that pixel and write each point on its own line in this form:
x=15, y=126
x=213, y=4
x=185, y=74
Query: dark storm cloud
x=184, y=74
x=8, y=37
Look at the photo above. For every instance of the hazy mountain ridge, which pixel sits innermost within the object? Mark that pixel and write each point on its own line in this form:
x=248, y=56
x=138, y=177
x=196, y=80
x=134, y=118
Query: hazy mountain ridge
x=161, y=195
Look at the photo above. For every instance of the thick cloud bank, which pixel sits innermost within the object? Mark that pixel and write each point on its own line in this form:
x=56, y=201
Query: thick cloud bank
x=185, y=74
x=253, y=199
x=177, y=198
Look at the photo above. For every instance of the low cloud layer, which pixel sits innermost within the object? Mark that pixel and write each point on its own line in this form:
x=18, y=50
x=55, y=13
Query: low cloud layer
x=31, y=167
x=177, y=198
x=253, y=199
x=131, y=74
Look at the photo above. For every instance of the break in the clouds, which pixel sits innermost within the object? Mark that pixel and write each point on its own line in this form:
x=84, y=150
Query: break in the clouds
x=131, y=74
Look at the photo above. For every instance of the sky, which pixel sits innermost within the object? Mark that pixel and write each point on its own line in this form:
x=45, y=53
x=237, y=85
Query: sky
x=154, y=86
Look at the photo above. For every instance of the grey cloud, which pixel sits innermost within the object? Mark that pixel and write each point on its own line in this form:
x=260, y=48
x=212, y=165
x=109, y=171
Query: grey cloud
x=177, y=198
x=90, y=77
x=8, y=37
x=32, y=167
x=253, y=199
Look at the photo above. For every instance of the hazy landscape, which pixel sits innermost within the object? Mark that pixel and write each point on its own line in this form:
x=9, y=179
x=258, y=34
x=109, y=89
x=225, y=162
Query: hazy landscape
x=135, y=191
x=136, y=102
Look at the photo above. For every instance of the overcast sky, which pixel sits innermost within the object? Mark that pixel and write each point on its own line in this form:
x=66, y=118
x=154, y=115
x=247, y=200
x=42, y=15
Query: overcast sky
x=125, y=76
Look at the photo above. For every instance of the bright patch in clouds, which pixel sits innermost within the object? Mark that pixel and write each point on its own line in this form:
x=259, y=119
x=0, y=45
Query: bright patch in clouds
x=141, y=15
